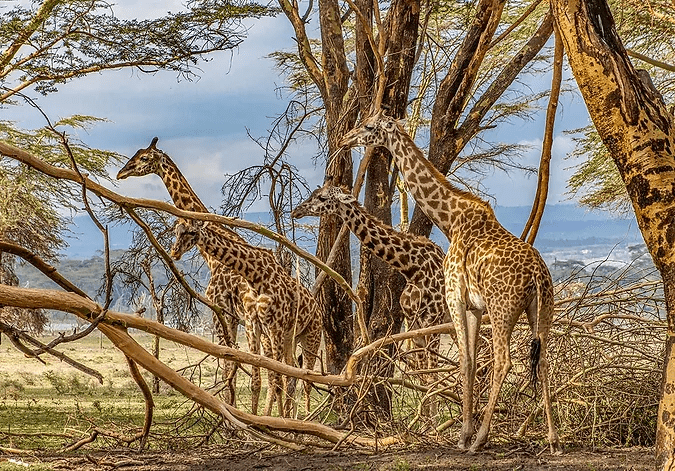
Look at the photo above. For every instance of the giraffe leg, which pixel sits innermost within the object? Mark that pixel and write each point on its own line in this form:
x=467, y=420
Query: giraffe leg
x=290, y=382
x=310, y=343
x=553, y=439
x=274, y=380
x=231, y=367
x=540, y=323
x=253, y=339
x=466, y=329
x=501, y=335
x=472, y=327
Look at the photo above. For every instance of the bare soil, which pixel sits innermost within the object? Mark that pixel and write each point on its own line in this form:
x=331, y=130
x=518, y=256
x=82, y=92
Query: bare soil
x=493, y=459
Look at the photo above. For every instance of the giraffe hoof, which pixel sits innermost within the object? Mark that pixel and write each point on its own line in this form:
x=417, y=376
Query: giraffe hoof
x=556, y=450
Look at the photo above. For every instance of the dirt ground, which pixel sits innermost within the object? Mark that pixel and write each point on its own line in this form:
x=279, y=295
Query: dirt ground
x=493, y=459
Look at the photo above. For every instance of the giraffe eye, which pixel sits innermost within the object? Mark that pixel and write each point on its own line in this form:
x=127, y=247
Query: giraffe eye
x=369, y=127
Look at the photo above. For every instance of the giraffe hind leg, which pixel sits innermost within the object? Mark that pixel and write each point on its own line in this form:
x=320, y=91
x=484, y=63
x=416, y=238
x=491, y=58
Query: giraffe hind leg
x=501, y=335
x=310, y=343
x=540, y=324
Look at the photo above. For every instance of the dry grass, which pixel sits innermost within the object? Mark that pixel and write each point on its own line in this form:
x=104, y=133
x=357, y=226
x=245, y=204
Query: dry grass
x=605, y=351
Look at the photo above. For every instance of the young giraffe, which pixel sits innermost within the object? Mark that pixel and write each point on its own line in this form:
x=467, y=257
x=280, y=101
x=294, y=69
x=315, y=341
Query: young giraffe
x=293, y=313
x=418, y=259
x=487, y=269
x=225, y=288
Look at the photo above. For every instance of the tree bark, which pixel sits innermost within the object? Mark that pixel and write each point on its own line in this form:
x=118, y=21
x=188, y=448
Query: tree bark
x=383, y=284
x=332, y=81
x=638, y=130
x=448, y=137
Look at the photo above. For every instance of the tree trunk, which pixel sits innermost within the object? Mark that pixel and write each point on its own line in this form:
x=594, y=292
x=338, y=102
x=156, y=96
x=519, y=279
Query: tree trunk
x=448, y=137
x=332, y=80
x=382, y=285
x=635, y=125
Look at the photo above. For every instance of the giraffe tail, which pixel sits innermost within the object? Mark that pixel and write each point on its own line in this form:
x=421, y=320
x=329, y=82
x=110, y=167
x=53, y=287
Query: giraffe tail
x=535, y=344
x=535, y=354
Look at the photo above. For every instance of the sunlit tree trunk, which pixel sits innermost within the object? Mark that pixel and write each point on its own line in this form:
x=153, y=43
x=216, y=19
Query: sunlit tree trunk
x=639, y=132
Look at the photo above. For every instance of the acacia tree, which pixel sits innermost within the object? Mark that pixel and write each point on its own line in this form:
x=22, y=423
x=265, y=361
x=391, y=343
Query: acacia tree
x=44, y=45
x=402, y=56
x=639, y=132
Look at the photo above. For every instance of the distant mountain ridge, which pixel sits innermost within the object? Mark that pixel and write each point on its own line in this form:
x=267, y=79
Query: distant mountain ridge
x=569, y=237
x=562, y=225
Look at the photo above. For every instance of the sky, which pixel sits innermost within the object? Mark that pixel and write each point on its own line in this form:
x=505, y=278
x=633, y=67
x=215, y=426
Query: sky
x=202, y=125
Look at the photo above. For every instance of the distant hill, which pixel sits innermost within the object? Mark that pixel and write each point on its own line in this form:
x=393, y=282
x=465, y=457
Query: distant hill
x=563, y=224
x=570, y=238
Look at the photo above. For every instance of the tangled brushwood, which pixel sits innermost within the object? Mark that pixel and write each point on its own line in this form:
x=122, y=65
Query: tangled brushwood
x=606, y=358
x=605, y=352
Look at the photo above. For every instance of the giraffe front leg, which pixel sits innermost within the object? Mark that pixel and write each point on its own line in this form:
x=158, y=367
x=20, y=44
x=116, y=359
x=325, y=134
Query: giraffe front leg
x=254, y=341
x=310, y=343
x=274, y=380
x=289, y=383
x=231, y=367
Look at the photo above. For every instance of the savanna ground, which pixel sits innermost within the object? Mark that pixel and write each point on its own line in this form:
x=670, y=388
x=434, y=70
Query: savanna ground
x=46, y=408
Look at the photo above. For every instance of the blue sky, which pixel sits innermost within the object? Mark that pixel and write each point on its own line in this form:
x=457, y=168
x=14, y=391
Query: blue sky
x=202, y=124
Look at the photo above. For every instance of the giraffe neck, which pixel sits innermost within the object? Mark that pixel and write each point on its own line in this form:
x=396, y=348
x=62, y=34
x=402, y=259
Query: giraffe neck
x=179, y=189
x=447, y=206
x=391, y=246
x=185, y=198
x=254, y=264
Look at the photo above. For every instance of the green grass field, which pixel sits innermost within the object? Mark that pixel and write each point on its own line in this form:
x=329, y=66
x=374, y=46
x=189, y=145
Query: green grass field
x=50, y=406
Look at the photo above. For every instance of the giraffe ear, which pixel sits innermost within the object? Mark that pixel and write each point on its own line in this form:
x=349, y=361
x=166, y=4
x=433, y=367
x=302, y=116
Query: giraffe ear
x=390, y=124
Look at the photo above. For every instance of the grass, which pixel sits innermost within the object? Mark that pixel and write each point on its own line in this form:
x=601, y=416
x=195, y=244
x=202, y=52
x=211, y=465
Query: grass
x=60, y=404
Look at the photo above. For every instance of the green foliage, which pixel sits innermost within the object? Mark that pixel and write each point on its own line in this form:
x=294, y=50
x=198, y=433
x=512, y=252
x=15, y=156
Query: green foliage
x=78, y=37
x=596, y=180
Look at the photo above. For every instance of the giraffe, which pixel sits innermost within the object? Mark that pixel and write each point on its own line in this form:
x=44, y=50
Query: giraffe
x=292, y=313
x=418, y=259
x=487, y=269
x=225, y=288
x=249, y=307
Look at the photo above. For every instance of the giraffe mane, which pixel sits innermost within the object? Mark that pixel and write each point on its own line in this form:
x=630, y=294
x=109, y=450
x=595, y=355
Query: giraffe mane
x=442, y=178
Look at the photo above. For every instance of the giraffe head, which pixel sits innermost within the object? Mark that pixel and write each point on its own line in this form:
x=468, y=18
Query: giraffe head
x=188, y=233
x=374, y=131
x=324, y=200
x=144, y=162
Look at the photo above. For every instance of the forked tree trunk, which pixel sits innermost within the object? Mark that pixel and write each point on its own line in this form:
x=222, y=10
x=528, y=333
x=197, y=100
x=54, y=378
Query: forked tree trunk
x=639, y=132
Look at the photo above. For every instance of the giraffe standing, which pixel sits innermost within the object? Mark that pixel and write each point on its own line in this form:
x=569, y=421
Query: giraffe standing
x=487, y=269
x=418, y=259
x=291, y=315
x=225, y=288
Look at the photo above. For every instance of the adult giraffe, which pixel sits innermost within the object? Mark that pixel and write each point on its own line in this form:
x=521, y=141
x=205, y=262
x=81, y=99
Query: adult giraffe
x=487, y=269
x=225, y=288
